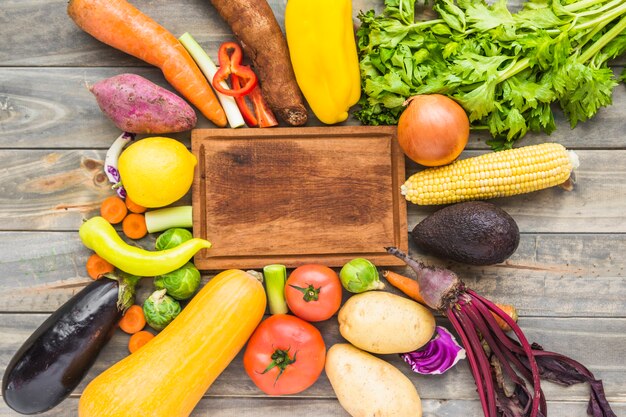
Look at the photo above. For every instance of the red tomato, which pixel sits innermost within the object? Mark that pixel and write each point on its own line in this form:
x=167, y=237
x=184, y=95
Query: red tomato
x=313, y=292
x=285, y=355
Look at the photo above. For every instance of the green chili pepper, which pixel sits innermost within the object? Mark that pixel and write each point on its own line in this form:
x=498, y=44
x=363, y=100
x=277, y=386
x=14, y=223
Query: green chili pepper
x=98, y=235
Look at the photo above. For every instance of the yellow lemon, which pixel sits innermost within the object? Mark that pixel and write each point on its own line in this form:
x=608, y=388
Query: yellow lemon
x=156, y=171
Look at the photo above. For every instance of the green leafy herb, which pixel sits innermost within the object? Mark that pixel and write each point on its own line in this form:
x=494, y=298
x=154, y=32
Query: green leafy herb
x=505, y=68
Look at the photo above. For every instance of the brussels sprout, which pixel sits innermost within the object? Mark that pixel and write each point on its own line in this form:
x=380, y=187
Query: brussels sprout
x=160, y=309
x=360, y=275
x=181, y=283
x=172, y=238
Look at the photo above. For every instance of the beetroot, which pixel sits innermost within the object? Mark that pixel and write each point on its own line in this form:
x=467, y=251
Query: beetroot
x=137, y=105
x=497, y=359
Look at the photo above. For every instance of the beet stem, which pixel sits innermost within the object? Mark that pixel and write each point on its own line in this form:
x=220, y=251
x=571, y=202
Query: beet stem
x=525, y=345
x=481, y=355
x=471, y=358
x=504, y=355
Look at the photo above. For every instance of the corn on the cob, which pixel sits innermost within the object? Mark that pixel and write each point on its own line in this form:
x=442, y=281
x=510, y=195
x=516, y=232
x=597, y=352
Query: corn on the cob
x=496, y=174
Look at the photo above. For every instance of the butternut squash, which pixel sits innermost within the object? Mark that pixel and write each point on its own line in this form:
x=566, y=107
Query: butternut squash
x=169, y=375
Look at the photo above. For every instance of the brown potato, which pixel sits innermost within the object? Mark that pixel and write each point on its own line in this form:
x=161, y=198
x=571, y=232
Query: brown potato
x=384, y=323
x=367, y=386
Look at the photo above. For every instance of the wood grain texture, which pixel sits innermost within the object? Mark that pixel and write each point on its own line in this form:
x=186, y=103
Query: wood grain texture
x=57, y=189
x=298, y=195
x=319, y=407
x=566, y=278
x=60, y=42
x=549, y=274
x=599, y=343
x=57, y=101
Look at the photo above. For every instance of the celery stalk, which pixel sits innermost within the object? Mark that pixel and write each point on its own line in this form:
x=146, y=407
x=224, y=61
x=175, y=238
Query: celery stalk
x=275, y=278
x=166, y=218
x=208, y=68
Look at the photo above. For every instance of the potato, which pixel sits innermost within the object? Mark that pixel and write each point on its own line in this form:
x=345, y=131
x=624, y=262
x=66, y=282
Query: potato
x=367, y=386
x=137, y=105
x=383, y=323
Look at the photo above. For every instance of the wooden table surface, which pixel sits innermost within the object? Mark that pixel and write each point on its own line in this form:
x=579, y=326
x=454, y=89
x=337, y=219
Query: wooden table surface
x=566, y=278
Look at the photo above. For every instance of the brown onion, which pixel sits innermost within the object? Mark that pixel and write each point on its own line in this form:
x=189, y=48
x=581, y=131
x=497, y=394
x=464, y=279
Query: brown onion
x=433, y=129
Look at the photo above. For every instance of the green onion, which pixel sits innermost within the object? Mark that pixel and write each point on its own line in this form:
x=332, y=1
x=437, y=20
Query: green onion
x=166, y=218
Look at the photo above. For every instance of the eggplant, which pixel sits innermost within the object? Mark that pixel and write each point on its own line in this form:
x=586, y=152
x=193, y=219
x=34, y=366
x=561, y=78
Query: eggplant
x=56, y=357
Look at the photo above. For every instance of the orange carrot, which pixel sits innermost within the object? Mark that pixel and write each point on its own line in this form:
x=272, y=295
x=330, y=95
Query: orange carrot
x=120, y=25
x=411, y=288
x=134, y=207
x=508, y=309
x=134, y=226
x=113, y=209
x=133, y=320
x=139, y=339
x=408, y=286
x=96, y=266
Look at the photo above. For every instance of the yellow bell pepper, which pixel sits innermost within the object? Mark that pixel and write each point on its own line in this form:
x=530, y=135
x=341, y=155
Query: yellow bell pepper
x=323, y=53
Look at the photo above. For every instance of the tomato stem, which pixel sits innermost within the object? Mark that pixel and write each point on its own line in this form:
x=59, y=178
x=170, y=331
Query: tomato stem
x=310, y=293
x=280, y=359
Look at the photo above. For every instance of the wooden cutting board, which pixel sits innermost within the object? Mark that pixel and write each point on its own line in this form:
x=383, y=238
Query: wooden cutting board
x=298, y=195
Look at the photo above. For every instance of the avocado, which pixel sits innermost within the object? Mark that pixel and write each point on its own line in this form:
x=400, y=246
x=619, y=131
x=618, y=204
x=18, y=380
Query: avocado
x=475, y=233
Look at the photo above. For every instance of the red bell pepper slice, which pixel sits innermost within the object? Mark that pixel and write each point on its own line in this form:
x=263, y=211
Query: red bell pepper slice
x=230, y=56
x=260, y=114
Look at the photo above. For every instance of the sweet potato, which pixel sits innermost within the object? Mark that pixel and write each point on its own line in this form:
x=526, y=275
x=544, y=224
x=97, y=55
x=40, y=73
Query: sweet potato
x=255, y=26
x=137, y=105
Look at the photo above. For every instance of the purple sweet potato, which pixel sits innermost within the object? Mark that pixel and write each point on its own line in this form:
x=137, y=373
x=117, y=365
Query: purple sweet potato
x=137, y=105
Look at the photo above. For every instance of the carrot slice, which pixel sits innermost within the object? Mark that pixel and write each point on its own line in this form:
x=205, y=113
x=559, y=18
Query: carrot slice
x=134, y=226
x=96, y=266
x=139, y=339
x=113, y=209
x=134, y=207
x=133, y=320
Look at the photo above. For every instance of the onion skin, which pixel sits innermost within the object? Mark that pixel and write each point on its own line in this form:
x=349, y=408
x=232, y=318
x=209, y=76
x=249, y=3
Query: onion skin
x=433, y=129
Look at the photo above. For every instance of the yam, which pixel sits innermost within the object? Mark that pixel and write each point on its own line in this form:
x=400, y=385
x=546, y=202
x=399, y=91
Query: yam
x=137, y=105
x=255, y=26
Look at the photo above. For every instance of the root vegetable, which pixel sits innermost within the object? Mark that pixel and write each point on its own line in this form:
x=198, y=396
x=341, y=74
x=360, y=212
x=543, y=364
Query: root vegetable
x=137, y=105
x=383, y=323
x=122, y=26
x=254, y=24
x=368, y=386
x=494, y=356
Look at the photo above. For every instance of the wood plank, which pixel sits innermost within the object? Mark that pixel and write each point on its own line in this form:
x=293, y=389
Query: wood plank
x=548, y=275
x=60, y=42
x=594, y=206
x=57, y=189
x=291, y=186
x=600, y=344
x=316, y=407
x=52, y=108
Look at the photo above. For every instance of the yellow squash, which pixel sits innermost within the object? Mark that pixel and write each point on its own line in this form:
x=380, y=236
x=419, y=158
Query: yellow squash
x=168, y=376
x=323, y=54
